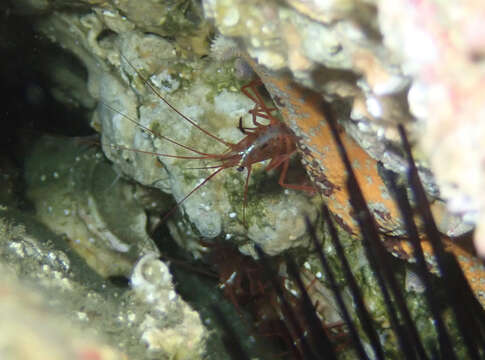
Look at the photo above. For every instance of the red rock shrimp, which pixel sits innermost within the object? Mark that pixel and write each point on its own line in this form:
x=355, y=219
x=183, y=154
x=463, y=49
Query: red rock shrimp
x=272, y=140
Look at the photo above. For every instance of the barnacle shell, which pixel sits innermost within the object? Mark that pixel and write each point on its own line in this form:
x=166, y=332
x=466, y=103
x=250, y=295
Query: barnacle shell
x=152, y=283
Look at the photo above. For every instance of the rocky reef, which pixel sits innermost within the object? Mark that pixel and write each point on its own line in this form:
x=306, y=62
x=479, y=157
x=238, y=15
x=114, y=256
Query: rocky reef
x=69, y=251
x=119, y=59
x=340, y=49
x=154, y=67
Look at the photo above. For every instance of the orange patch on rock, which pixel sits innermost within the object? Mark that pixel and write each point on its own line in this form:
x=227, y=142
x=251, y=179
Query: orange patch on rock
x=301, y=110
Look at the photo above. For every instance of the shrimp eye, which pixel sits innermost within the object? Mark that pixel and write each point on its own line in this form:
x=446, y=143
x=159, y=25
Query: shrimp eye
x=240, y=168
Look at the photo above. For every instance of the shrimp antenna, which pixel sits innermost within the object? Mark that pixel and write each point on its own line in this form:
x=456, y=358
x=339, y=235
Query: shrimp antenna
x=156, y=92
x=119, y=147
x=170, y=212
x=156, y=134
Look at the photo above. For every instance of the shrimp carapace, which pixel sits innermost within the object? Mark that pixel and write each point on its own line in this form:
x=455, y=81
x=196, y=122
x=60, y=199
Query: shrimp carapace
x=267, y=139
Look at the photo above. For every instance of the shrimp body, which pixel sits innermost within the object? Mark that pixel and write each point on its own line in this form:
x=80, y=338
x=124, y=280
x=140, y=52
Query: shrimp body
x=274, y=141
x=269, y=140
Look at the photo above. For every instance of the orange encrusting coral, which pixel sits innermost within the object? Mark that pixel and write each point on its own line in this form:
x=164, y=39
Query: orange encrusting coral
x=301, y=110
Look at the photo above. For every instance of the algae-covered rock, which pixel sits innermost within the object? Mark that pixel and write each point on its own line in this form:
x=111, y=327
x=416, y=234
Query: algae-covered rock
x=77, y=194
x=61, y=285
x=183, y=338
x=217, y=207
x=379, y=74
x=335, y=49
x=119, y=58
x=32, y=330
x=135, y=51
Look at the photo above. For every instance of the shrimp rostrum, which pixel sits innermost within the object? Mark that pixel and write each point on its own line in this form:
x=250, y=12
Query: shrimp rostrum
x=266, y=138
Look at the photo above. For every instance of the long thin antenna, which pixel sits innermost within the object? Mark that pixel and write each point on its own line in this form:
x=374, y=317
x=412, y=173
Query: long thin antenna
x=156, y=92
x=156, y=134
x=190, y=193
